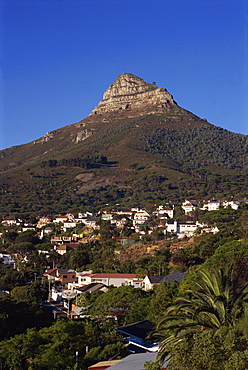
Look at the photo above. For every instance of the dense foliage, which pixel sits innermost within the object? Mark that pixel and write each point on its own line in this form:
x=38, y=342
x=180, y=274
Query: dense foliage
x=211, y=316
x=84, y=161
x=200, y=147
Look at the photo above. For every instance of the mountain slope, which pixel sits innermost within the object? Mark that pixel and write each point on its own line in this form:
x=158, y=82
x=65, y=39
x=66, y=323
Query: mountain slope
x=137, y=146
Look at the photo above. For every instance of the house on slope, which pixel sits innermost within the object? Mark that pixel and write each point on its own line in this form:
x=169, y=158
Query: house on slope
x=135, y=335
x=211, y=205
x=91, y=288
x=136, y=361
x=65, y=276
x=116, y=280
x=189, y=206
x=151, y=280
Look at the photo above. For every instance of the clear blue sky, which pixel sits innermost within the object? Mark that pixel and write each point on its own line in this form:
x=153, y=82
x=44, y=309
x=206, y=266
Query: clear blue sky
x=59, y=56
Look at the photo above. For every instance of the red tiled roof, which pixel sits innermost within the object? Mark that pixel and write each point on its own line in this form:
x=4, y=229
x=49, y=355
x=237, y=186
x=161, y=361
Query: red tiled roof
x=51, y=272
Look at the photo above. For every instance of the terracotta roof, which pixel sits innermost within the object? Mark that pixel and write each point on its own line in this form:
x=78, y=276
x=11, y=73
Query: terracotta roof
x=51, y=272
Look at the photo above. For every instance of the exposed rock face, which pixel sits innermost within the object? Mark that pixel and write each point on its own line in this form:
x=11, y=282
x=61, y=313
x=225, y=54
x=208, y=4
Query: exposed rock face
x=130, y=92
x=49, y=135
x=82, y=135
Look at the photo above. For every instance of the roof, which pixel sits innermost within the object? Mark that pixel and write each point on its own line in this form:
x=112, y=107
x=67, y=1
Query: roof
x=51, y=272
x=156, y=279
x=135, y=361
x=105, y=275
x=139, y=329
x=9, y=218
x=103, y=364
x=63, y=247
x=174, y=276
x=90, y=287
x=65, y=271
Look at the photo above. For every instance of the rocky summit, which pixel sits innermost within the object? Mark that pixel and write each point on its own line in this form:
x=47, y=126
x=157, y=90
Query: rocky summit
x=137, y=147
x=129, y=93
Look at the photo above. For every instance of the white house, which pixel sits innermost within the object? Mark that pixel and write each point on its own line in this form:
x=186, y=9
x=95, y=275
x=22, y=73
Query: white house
x=171, y=227
x=116, y=280
x=189, y=206
x=11, y=220
x=234, y=204
x=140, y=217
x=69, y=225
x=59, y=219
x=7, y=259
x=182, y=229
x=211, y=205
x=187, y=229
x=151, y=280
x=43, y=221
x=166, y=211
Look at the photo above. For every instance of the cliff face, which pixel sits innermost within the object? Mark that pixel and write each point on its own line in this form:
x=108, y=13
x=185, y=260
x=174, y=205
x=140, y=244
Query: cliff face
x=129, y=92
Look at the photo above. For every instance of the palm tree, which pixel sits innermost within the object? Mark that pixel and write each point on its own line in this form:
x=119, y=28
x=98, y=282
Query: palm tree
x=214, y=305
x=54, y=257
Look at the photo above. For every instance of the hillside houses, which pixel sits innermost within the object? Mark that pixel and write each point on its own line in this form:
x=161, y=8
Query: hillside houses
x=65, y=232
x=76, y=280
x=115, y=279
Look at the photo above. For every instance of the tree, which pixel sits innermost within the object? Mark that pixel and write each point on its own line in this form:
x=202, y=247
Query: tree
x=213, y=304
x=54, y=257
x=10, y=236
x=10, y=279
x=161, y=298
x=20, y=293
x=22, y=249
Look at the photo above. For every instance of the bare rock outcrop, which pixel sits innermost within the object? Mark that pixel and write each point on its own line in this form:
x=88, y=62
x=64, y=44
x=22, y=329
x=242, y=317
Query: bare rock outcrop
x=130, y=92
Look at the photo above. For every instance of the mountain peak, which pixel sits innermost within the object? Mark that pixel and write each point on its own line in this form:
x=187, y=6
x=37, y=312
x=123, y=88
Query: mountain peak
x=129, y=92
x=127, y=84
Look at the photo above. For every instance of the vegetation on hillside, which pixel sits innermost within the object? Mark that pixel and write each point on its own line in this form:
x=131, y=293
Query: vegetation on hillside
x=199, y=147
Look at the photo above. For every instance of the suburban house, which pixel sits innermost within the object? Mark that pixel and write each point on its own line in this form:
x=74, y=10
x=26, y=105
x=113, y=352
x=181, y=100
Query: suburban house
x=187, y=229
x=109, y=279
x=181, y=230
x=134, y=361
x=234, y=204
x=135, y=335
x=62, y=239
x=63, y=249
x=164, y=212
x=189, y=206
x=69, y=225
x=91, y=288
x=211, y=205
x=28, y=227
x=107, y=216
x=151, y=280
x=126, y=212
x=59, y=219
x=91, y=222
x=119, y=221
x=63, y=275
x=141, y=217
x=7, y=259
x=102, y=365
x=11, y=220
x=43, y=221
